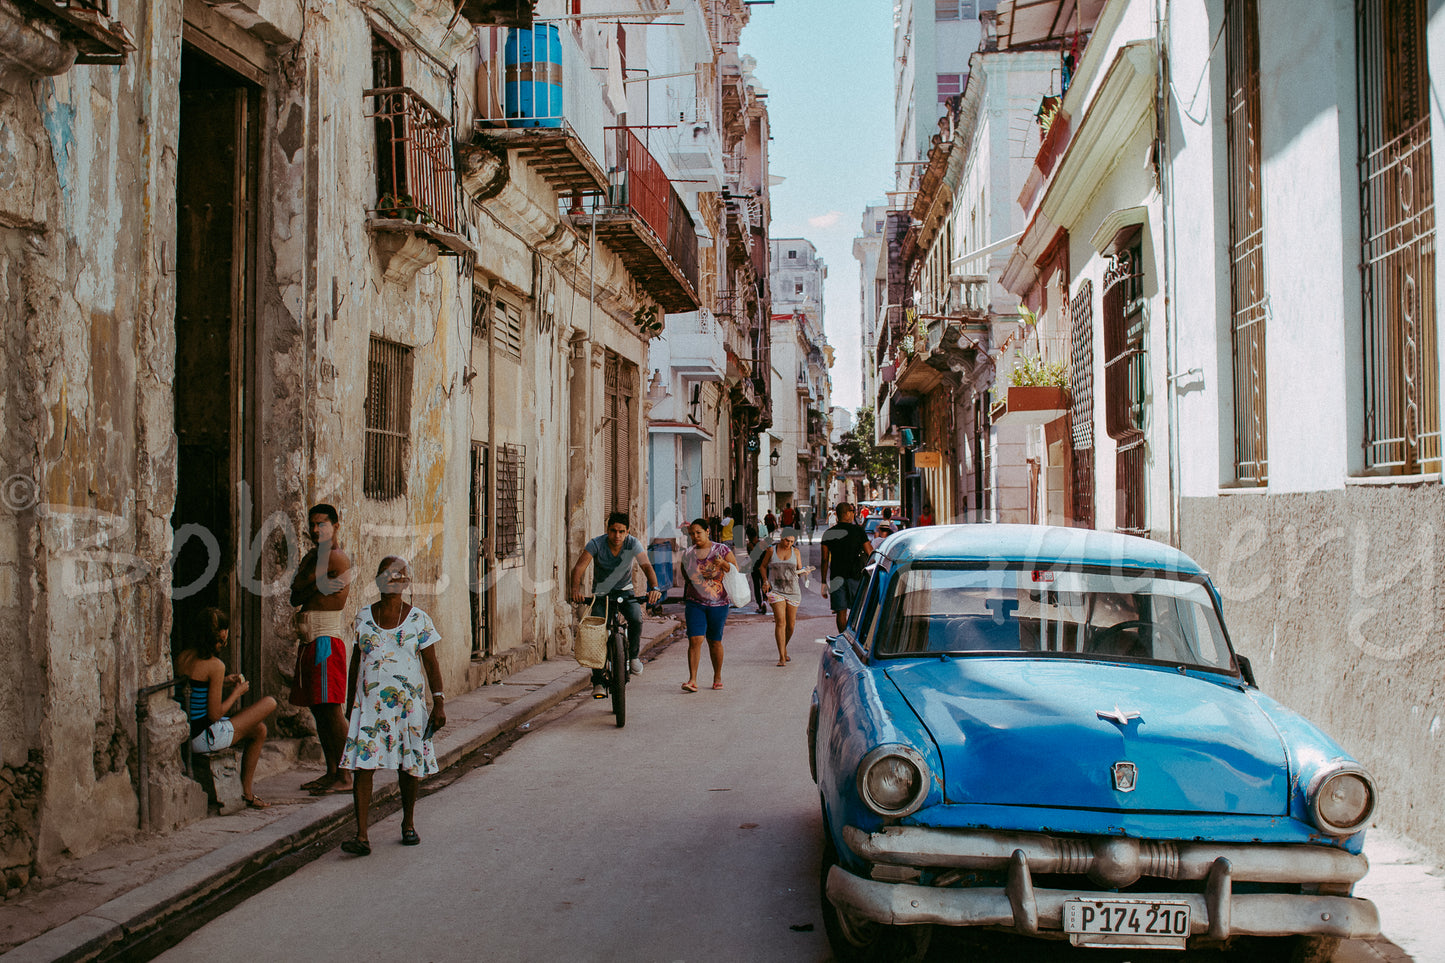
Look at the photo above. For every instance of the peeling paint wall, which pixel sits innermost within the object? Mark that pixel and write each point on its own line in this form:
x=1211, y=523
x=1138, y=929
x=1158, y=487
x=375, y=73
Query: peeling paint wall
x=88, y=433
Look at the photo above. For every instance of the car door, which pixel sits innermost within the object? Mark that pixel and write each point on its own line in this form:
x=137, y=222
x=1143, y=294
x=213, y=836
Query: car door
x=841, y=686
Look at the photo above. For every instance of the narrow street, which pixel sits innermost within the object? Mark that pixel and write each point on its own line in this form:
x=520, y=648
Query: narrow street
x=691, y=834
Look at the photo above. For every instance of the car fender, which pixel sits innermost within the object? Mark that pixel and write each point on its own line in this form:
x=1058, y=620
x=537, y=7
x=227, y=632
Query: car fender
x=1309, y=751
x=858, y=710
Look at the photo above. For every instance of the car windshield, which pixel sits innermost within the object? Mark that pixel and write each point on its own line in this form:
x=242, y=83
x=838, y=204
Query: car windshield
x=964, y=611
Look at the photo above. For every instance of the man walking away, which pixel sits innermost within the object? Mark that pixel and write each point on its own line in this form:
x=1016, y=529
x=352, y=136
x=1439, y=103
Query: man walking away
x=320, y=589
x=612, y=556
x=845, y=550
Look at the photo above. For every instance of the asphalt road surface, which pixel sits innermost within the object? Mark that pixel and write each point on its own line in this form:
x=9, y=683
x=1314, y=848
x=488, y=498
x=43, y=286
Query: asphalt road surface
x=690, y=835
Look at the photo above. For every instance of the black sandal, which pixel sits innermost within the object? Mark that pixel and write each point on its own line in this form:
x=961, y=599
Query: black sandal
x=356, y=847
x=410, y=838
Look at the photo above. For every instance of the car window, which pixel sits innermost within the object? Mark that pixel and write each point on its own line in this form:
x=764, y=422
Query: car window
x=863, y=616
x=1066, y=612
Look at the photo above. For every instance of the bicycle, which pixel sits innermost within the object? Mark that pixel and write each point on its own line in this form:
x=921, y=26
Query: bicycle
x=615, y=679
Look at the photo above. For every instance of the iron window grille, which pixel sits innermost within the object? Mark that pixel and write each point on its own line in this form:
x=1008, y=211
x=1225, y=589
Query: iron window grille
x=1397, y=208
x=511, y=520
x=388, y=416
x=1081, y=409
x=1126, y=378
x=1246, y=242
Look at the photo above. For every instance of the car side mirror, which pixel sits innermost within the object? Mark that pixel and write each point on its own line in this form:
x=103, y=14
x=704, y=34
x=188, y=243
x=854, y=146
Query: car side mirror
x=1246, y=670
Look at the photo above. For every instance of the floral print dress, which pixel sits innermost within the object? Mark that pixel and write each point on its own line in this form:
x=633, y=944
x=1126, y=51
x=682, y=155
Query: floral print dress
x=388, y=719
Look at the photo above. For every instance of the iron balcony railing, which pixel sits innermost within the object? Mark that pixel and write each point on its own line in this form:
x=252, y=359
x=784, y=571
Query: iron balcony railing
x=646, y=191
x=416, y=174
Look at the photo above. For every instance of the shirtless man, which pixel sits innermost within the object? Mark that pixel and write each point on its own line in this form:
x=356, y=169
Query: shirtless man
x=320, y=588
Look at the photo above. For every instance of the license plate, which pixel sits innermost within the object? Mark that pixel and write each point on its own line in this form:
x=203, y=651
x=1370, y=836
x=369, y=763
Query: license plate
x=1127, y=923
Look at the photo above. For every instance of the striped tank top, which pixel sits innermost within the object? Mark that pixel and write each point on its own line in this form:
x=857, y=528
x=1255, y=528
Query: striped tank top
x=199, y=707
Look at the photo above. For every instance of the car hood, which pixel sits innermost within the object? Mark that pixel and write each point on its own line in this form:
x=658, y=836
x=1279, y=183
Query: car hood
x=1028, y=732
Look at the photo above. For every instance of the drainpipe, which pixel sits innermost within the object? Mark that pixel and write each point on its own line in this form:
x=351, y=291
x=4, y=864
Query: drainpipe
x=1166, y=188
x=142, y=713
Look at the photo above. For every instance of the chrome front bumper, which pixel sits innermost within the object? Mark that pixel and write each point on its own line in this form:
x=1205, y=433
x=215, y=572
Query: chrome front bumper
x=1113, y=862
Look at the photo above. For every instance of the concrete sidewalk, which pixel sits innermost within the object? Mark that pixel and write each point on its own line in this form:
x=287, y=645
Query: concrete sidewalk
x=97, y=904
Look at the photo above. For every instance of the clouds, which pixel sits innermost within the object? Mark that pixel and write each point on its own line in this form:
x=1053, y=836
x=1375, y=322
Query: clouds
x=825, y=220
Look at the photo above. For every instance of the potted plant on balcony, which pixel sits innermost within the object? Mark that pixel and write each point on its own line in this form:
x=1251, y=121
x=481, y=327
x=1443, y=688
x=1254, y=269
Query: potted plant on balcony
x=1037, y=393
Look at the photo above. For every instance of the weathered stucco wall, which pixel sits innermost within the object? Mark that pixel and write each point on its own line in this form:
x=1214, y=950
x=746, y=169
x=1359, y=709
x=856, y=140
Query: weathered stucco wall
x=87, y=215
x=1335, y=598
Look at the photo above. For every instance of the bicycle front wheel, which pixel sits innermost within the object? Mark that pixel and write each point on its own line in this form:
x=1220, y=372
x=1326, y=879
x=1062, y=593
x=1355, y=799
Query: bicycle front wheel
x=618, y=650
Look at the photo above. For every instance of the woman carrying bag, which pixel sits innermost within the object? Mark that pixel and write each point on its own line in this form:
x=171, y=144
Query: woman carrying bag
x=783, y=570
x=705, y=600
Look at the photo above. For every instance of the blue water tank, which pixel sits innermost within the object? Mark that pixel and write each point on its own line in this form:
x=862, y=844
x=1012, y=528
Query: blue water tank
x=533, y=79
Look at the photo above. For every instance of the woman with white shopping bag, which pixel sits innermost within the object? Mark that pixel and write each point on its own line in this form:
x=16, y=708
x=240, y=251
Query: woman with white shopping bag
x=705, y=565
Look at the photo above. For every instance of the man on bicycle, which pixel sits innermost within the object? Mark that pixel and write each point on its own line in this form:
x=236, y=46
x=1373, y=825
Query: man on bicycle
x=612, y=556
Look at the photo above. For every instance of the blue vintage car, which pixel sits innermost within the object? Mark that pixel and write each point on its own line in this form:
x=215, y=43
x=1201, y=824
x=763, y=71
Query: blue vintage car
x=1046, y=731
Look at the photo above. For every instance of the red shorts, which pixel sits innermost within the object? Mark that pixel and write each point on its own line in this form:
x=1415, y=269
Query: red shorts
x=320, y=673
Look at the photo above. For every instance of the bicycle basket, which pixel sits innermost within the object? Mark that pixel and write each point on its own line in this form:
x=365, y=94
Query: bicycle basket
x=591, y=647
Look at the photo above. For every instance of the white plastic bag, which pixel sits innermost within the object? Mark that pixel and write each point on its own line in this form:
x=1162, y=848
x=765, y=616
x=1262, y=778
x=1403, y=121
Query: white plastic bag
x=735, y=583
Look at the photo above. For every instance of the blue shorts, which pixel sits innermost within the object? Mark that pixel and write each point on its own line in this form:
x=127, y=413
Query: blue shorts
x=705, y=620
x=841, y=597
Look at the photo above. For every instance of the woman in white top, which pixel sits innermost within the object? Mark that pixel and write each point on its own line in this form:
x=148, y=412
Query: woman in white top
x=783, y=570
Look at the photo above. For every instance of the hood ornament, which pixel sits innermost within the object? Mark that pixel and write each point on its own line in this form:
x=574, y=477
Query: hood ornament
x=1117, y=715
x=1126, y=776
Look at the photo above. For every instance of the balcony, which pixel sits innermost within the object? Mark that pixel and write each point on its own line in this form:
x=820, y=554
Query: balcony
x=697, y=153
x=551, y=115
x=415, y=217
x=739, y=229
x=86, y=30
x=697, y=346
x=648, y=227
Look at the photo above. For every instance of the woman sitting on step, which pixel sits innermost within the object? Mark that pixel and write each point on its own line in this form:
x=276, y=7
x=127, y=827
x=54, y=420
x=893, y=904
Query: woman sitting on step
x=211, y=728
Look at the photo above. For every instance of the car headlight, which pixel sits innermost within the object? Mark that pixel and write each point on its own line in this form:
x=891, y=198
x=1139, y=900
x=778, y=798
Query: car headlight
x=893, y=780
x=1341, y=799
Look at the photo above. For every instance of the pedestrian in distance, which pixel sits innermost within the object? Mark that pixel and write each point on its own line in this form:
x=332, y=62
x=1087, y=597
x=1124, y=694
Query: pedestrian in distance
x=612, y=557
x=927, y=517
x=845, y=550
x=756, y=548
x=789, y=516
x=770, y=522
x=320, y=588
x=705, y=601
x=783, y=569
x=212, y=729
x=395, y=653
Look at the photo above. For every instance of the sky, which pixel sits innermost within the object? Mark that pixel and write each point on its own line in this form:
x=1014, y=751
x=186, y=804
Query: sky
x=826, y=65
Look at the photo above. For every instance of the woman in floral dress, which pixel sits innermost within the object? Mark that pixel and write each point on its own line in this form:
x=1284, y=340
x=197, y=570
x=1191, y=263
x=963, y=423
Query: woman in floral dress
x=395, y=646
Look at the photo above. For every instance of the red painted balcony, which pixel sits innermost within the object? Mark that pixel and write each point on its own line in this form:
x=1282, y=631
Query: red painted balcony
x=649, y=227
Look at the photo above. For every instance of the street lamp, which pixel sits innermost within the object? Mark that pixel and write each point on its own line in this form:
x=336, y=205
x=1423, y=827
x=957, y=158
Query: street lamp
x=773, y=458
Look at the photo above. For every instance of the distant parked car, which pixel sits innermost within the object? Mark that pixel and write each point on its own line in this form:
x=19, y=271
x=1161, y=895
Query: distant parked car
x=873, y=523
x=1047, y=731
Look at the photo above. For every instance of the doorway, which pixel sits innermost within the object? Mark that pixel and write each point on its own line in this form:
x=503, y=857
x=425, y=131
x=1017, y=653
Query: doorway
x=216, y=190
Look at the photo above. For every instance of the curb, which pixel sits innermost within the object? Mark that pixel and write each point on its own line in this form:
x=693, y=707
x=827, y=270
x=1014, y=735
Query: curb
x=145, y=909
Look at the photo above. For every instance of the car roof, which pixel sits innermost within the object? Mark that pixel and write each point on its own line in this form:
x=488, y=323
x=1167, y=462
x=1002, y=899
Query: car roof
x=1040, y=544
